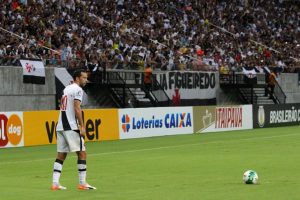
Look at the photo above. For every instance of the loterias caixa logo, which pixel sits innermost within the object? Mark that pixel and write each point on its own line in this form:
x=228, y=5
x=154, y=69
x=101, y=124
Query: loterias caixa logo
x=125, y=123
x=170, y=120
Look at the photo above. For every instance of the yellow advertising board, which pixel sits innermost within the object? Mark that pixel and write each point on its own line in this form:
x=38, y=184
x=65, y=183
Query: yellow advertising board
x=11, y=129
x=40, y=126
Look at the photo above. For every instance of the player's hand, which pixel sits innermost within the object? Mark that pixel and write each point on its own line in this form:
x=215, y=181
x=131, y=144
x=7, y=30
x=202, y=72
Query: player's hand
x=82, y=131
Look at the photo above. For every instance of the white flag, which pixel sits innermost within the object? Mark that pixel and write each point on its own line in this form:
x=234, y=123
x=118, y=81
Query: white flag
x=33, y=71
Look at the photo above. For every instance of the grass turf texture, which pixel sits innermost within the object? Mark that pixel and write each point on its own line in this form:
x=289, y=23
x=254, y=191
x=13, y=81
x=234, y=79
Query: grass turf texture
x=200, y=166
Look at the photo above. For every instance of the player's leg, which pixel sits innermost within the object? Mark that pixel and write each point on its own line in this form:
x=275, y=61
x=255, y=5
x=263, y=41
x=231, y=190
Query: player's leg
x=81, y=163
x=83, y=185
x=57, y=169
x=76, y=144
x=62, y=149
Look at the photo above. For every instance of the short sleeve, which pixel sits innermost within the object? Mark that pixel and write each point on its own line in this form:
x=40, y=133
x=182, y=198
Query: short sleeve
x=79, y=94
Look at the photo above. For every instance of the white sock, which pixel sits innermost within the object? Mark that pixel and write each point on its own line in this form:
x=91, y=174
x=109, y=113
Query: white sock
x=57, y=168
x=82, y=171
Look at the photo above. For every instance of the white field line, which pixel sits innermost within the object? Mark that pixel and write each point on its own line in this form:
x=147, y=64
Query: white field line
x=155, y=148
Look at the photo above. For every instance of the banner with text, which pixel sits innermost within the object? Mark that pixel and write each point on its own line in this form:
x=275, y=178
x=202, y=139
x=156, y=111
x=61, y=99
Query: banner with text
x=193, y=88
x=11, y=129
x=274, y=116
x=225, y=118
x=149, y=122
x=40, y=126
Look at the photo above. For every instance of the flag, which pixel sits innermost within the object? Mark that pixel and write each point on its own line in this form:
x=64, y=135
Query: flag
x=33, y=71
x=249, y=73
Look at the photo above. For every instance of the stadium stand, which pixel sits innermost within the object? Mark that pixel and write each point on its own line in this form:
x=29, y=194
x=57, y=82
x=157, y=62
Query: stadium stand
x=168, y=35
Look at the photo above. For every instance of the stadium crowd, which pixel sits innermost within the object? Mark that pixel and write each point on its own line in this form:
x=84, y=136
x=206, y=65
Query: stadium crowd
x=165, y=34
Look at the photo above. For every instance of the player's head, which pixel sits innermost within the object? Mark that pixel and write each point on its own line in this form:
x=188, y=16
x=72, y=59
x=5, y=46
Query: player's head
x=80, y=77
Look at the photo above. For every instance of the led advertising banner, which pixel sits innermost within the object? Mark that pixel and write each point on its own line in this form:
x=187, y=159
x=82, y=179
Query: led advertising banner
x=40, y=126
x=11, y=129
x=224, y=118
x=149, y=122
x=276, y=115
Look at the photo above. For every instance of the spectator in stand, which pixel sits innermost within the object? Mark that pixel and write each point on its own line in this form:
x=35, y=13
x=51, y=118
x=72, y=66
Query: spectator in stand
x=175, y=24
x=272, y=82
x=148, y=79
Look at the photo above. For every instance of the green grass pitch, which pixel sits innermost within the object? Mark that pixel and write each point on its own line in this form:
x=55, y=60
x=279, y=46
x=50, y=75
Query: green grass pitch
x=184, y=167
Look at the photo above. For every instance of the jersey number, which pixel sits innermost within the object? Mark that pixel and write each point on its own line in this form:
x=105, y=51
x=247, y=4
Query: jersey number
x=63, y=103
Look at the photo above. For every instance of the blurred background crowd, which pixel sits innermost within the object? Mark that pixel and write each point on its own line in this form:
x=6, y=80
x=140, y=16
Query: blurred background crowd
x=164, y=34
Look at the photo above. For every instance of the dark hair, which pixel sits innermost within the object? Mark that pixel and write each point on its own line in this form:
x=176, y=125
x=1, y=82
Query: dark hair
x=77, y=73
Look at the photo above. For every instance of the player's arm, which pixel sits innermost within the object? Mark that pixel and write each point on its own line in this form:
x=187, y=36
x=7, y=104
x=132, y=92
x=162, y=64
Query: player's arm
x=78, y=115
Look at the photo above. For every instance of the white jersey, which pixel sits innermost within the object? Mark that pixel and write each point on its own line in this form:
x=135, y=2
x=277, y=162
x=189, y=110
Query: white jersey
x=67, y=119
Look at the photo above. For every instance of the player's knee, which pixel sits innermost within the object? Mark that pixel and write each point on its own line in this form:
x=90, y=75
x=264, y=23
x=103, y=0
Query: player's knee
x=61, y=156
x=82, y=155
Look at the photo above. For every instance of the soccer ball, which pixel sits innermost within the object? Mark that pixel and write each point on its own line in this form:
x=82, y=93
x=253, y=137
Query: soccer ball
x=250, y=177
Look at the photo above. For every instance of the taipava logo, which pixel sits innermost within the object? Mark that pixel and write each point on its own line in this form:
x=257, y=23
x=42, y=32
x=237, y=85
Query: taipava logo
x=11, y=129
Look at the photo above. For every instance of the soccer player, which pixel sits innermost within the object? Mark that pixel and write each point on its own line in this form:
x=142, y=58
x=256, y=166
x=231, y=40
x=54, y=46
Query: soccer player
x=71, y=131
